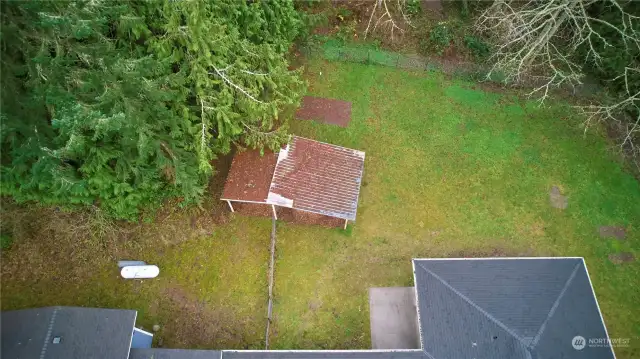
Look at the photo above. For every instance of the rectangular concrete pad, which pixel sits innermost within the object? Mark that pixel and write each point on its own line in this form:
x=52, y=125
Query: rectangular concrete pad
x=394, y=318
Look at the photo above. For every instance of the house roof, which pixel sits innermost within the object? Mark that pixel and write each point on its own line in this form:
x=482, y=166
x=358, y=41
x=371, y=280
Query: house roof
x=307, y=175
x=83, y=332
x=507, y=308
x=318, y=177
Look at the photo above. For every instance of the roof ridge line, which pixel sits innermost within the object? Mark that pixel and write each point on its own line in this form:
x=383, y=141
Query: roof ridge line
x=552, y=311
x=477, y=307
x=52, y=322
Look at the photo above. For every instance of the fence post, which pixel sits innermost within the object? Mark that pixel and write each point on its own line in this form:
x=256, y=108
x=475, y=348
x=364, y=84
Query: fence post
x=368, y=57
x=397, y=60
x=272, y=264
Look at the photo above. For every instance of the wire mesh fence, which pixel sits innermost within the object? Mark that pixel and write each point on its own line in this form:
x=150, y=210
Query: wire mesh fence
x=337, y=51
x=376, y=57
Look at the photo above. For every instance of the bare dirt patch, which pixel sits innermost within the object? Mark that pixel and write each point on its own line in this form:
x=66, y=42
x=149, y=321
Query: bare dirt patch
x=288, y=215
x=253, y=209
x=612, y=232
x=556, y=198
x=433, y=6
x=335, y=112
x=314, y=304
x=622, y=257
x=291, y=215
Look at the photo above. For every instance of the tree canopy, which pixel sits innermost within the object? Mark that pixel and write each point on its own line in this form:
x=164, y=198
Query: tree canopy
x=124, y=104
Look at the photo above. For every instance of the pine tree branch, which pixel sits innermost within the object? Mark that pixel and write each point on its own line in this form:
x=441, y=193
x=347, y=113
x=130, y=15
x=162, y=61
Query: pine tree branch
x=253, y=129
x=226, y=79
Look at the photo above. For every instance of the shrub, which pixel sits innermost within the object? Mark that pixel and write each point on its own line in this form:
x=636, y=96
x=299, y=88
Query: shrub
x=412, y=7
x=344, y=13
x=440, y=37
x=5, y=241
x=478, y=48
x=347, y=31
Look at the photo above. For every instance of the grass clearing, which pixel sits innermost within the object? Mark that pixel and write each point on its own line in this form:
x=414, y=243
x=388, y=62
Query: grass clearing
x=450, y=170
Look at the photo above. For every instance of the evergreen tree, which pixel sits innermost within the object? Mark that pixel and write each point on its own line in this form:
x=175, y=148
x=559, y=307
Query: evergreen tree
x=124, y=104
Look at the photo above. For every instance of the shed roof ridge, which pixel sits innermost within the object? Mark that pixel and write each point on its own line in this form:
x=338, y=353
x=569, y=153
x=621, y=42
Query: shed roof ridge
x=477, y=307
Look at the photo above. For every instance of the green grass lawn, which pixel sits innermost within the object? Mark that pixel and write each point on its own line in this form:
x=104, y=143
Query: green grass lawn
x=450, y=170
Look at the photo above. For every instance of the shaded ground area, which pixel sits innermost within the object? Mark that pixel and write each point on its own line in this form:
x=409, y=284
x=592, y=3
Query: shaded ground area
x=325, y=110
x=253, y=209
x=288, y=215
x=295, y=216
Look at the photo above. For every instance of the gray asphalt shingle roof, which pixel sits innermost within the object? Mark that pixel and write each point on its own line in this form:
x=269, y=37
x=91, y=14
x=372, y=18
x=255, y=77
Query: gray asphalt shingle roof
x=83, y=332
x=507, y=308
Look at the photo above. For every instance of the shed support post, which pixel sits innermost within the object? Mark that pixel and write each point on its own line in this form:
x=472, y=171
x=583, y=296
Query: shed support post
x=230, y=206
x=275, y=216
x=345, y=224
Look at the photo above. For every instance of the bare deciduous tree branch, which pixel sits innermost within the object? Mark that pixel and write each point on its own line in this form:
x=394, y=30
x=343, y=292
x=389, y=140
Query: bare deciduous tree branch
x=539, y=42
x=386, y=18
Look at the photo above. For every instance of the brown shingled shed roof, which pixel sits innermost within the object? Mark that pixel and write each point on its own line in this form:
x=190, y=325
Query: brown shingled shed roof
x=308, y=175
x=318, y=177
x=250, y=176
